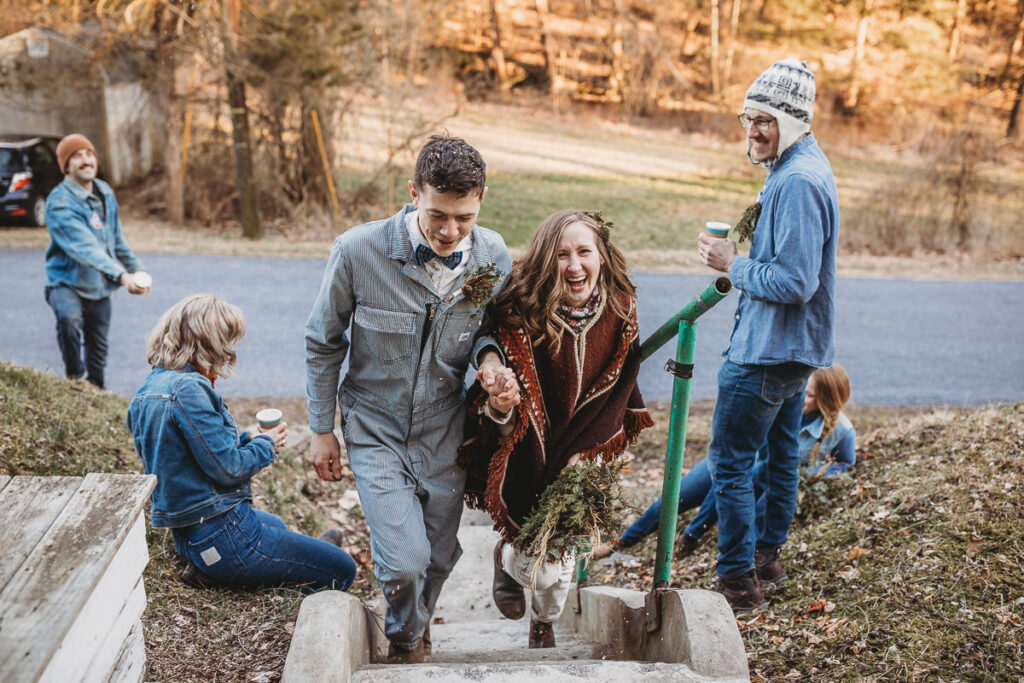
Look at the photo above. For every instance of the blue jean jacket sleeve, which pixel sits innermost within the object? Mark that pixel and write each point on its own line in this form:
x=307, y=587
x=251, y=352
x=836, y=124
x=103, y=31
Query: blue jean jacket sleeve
x=791, y=275
x=844, y=455
x=213, y=440
x=69, y=229
x=326, y=341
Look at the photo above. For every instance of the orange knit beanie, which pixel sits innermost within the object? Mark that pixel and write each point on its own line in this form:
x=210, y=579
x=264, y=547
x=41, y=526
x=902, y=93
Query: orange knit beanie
x=70, y=144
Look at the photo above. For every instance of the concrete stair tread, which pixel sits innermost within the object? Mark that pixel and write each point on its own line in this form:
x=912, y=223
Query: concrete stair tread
x=600, y=670
x=503, y=641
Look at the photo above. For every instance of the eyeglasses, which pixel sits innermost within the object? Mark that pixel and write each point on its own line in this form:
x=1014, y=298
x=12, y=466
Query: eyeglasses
x=761, y=123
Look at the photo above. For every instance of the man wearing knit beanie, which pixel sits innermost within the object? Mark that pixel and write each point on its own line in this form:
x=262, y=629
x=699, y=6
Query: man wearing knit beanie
x=86, y=261
x=784, y=329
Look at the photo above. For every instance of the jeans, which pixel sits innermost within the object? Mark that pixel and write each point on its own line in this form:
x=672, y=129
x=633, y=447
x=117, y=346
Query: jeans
x=249, y=548
x=707, y=516
x=757, y=406
x=78, y=318
x=693, y=488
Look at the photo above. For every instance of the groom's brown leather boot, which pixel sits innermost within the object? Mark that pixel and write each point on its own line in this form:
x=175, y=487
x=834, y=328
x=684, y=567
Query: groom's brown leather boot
x=508, y=595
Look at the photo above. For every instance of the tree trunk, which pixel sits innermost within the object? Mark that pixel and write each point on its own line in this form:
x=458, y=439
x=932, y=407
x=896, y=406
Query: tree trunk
x=1015, y=46
x=853, y=94
x=497, y=52
x=618, y=79
x=251, y=226
x=716, y=85
x=545, y=39
x=954, y=32
x=734, y=26
x=1011, y=126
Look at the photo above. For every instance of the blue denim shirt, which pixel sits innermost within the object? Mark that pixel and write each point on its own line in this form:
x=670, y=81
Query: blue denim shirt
x=786, y=311
x=87, y=251
x=188, y=439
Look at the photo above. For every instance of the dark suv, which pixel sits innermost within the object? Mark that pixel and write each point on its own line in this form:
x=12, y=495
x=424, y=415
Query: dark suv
x=28, y=171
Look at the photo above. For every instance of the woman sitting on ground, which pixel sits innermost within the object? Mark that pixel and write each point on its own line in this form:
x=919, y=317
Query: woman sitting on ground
x=188, y=439
x=566, y=322
x=827, y=446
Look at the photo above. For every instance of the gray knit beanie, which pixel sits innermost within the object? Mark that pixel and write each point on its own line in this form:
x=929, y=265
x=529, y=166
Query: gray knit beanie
x=785, y=90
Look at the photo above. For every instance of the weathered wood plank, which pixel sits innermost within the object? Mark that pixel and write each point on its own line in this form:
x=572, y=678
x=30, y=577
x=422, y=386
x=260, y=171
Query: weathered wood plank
x=39, y=604
x=131, y=661
x=28, y=506
x=108, y=651
x=85, y=639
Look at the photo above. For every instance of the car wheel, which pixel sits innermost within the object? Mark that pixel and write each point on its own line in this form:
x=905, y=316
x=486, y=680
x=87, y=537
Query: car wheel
x=39, y=212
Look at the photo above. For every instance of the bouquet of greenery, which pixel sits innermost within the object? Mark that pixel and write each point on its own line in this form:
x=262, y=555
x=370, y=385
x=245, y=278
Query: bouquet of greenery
x=579, y=507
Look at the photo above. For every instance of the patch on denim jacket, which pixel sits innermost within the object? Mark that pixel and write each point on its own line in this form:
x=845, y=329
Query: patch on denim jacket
x=94, y=221
x=210, y=556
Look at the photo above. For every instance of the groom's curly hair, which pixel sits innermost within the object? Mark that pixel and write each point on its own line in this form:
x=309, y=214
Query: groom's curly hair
x=451, y=166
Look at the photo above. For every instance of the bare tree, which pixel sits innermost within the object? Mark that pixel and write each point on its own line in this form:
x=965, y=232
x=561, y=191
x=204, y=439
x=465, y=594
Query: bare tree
x=853, y=93
x=954, y=32
x=716, y=86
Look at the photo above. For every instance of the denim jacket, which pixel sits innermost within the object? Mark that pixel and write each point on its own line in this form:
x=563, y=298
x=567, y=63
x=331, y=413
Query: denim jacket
x=839, y=456
x=188, y=439
x=87, y=251
x=408, y=346
x=786, y=312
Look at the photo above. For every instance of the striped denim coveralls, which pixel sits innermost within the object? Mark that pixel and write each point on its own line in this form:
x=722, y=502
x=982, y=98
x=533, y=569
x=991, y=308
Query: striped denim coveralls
x=401, y=401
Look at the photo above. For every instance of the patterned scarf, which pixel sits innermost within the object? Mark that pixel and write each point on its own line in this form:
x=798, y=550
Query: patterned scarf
x=577, y=317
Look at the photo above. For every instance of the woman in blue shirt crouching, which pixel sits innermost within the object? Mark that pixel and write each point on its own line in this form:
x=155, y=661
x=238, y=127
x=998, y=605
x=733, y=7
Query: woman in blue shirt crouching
x=188, y=439
x=827, y=443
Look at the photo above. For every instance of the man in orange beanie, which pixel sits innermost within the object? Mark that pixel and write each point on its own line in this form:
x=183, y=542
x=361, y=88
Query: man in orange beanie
x=86, y=261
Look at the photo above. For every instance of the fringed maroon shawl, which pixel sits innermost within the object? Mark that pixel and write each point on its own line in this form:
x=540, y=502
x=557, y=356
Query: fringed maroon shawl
x=584, y=401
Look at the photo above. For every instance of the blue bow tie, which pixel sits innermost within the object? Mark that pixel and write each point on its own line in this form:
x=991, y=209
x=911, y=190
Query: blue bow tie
x=425, y=253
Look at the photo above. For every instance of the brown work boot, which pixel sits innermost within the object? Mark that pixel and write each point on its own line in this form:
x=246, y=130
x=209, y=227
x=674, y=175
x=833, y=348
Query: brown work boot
x=428, y=644
x=194, y=577
x=333, y=536
x=769, y=569
x=685, y=545
x=541, y=634
x=743, y=592
x=508, y=595
x=397, y=655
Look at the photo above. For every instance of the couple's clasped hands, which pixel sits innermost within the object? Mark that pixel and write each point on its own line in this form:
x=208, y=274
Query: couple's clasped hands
x=500, y=384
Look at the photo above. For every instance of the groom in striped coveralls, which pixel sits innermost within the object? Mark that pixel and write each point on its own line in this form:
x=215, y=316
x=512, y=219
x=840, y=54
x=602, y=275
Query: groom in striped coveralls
x=393, y=301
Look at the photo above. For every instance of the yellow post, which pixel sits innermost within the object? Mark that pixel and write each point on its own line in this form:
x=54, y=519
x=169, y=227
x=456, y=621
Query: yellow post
x=327, y=166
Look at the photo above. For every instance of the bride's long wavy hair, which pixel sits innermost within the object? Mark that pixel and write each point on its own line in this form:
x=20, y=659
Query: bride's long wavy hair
x=534, y=289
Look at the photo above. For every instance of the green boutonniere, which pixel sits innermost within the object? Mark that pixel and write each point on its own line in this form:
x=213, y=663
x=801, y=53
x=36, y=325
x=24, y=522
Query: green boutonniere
x=479, y=287
x=745, y=228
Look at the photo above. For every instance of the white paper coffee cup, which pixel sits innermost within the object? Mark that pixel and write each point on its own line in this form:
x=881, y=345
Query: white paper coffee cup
x=269, y=417
x=716, y=229
x=142, y=279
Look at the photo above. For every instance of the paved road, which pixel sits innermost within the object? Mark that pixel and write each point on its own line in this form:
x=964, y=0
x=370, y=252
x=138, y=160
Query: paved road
x=903, y=342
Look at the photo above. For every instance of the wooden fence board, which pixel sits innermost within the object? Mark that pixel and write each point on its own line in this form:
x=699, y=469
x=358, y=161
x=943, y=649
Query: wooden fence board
x=39, y=604
x=28, y=506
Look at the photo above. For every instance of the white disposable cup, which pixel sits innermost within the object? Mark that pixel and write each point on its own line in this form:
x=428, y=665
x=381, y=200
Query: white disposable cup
x=716, y=229
x=142, y=279
x=269, y=417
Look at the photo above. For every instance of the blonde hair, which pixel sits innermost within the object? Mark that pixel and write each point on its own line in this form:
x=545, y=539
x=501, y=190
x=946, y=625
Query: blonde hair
x=831, y=393
x=534, y=290
x=201, y=330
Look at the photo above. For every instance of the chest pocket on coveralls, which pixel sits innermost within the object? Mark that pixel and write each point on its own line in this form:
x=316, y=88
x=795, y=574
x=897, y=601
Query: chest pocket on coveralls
x=456, y=338
x=389, y=336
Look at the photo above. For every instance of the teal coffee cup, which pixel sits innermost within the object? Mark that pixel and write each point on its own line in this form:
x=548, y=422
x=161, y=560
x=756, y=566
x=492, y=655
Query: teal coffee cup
x=269, y=418
x=716, y=229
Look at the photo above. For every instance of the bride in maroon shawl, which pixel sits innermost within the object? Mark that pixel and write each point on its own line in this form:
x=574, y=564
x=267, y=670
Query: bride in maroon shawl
x=566, y=322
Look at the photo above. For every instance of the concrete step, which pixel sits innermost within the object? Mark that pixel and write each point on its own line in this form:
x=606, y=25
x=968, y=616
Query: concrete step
x=504, y=641
x=599, y=671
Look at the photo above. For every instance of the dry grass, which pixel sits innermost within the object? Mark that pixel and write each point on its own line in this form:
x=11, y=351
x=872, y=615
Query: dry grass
x=657, y=184
x=910, y=569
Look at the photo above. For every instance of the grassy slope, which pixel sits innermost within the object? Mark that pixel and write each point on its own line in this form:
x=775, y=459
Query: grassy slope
x=657, y=185
x=911, y=569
